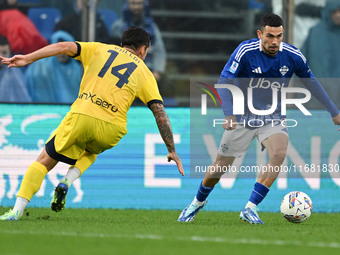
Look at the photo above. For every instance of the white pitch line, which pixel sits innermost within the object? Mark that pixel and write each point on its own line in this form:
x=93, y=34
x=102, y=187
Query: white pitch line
x=186, y=238
x=264, y=242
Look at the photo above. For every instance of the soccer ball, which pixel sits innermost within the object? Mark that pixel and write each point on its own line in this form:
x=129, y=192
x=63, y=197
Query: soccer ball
x=296, y=207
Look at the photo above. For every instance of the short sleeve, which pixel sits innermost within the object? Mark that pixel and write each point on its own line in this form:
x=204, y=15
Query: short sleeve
x=85, y=51
x=147, y=88
x=233, y=66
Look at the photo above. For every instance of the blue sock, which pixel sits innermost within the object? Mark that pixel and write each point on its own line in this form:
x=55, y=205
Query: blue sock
x=259, y=193
x=203, y=193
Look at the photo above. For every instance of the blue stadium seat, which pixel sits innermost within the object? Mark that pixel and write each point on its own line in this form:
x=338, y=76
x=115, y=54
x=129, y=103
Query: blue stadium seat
x=45, y=20
x=109, y=17
x=29, y=1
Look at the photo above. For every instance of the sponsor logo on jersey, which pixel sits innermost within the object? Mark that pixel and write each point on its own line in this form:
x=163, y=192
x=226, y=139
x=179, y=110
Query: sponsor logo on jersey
x=98, y=101
x=257, y=70
x=262, y=83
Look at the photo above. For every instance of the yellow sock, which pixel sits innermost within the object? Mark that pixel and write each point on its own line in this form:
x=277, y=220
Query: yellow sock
x=32, y=180
x=85, y=160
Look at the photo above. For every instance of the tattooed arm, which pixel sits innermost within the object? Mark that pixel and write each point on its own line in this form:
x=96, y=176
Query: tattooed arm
x=164, y=128
x=164, y=125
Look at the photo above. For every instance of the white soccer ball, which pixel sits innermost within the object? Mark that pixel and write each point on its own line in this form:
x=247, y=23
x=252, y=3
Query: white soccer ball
x=296, y=207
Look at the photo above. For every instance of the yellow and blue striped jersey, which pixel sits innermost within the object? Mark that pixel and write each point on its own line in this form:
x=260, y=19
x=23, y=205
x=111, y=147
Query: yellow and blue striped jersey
x=113, y=78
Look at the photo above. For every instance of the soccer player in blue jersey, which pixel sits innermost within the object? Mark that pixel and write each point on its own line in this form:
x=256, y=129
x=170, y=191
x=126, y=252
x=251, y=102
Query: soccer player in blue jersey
x=272, y=63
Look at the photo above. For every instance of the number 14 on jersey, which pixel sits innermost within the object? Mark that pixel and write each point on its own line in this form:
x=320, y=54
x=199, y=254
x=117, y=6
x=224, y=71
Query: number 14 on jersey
x=123, y=78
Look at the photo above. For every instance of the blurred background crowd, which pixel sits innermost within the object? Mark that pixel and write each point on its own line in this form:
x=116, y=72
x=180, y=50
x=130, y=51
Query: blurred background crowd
x=191, y=39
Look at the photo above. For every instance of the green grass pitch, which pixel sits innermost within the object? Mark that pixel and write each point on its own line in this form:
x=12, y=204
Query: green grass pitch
x=104, y=231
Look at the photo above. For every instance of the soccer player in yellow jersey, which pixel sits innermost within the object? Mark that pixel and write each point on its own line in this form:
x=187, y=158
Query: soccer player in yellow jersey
x=113, y=77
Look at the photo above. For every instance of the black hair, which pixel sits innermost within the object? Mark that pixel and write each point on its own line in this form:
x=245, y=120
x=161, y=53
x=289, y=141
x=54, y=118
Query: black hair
x=3, y=40
x=271, y=20
x=135, y=37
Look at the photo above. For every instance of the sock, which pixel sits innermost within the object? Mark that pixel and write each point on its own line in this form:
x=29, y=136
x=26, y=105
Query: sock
x=197, y=202
x=259, y=193
x=85, y=160
x=72, y=174
x=203, y=193
x=33, y=178
x=250, y=204
x=20, y=205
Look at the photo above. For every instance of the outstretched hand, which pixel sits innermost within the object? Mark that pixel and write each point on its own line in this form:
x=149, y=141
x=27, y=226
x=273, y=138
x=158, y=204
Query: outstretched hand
x=173, y=156
x=15, y=61
x=336, y=120
x=230, y=122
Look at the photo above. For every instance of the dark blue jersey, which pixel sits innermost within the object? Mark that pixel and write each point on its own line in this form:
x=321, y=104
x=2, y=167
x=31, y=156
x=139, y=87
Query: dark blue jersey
x=249, y=66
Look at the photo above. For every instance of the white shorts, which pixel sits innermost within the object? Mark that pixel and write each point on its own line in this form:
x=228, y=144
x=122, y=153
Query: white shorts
x=235, y=143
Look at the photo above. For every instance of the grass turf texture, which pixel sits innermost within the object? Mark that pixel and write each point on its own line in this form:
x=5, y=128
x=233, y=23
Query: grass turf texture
x=103, y=231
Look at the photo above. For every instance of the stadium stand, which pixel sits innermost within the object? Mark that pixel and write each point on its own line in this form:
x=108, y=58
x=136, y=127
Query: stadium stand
x=108, y=16
x=44, y=19
x=199, y=37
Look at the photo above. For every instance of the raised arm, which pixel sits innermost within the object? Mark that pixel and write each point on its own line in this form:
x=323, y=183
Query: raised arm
x=67, y=48
x=164, y=128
